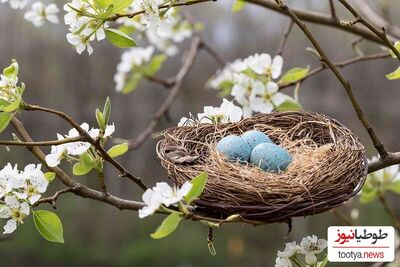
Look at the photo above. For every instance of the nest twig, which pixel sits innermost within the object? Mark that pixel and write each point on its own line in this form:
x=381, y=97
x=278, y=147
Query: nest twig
x=329, y=166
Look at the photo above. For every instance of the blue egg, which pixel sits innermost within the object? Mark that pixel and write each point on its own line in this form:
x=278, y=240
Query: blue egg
x=234, y=148
x=254, y=138
x=270, y=157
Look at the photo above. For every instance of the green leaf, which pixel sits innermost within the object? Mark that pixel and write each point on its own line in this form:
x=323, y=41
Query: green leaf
x=324, y=262
x=121, y=4
x=397, y=46
x=11, y=107
x=154, y=65
x=118, y=150
x=288, y=105
x=107, y=111
x=167, y=227
x=102, y=4
x=294, y=75
x=100, y=120
x=119, y=38
x=238, y=5
x=199, y=183
x=132, y=83
x=12, y=71
x=50, y=176
x=5, y=119
x=81, y=168
x=87, y=159
x=49, y=225
x=394, y=187
x=368, y=194
x=394, y=75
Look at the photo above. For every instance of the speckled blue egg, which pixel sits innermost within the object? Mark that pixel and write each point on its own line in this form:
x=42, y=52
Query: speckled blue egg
x=234, y=148
x=270, y=157
x=254, y=138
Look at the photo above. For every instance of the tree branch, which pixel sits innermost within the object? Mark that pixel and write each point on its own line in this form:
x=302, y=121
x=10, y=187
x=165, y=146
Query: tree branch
x=43, y=143
x=124, y=172
x=380, y=33
x=285, y=37
x=322, y=19
x=345, y=83
x=176, y=85
x=340, y=64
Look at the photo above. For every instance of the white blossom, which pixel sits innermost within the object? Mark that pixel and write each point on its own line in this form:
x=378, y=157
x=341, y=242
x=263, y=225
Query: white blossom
x=15, y=211
x=16, y=4
x=75, y=148
x=262, y=64
x=162, y=194
x=291, y=249
x=131, y=59
x=283, y=262
x=312, y=245
x=267, y=98
x=386, y=175
x=36, y=184
x=10, y=179
x=227, y=112
x=40, y=13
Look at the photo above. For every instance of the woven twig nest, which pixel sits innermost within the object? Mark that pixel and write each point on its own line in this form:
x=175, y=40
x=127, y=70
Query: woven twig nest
x=329, y=167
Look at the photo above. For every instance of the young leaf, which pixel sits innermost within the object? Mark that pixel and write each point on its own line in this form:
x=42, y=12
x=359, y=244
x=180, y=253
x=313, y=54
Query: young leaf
x=5, y=119
x=167, y=227
x=81, y=168
x=118, y=150
x=154, y=65
x=368, y=194
x=394, y=187
x=288, y=105
x=119, y=38
x=121, y=4
x=107, y=110
x=132, y=83
x=102, y=4
x=238, y=5
x=199, y=183
x=397, y=46
x=11, y=107
x=49, y=225
x=294, y=75
x=87, y=159
x=394, y=75
x=50, y=176
x=12, y=71
x=100, y=119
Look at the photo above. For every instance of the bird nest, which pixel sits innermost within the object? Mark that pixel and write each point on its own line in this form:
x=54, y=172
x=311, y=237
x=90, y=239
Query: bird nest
x=329, y=166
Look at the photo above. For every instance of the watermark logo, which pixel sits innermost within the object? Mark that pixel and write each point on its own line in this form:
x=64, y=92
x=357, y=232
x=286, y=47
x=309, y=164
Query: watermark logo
x=361, y=244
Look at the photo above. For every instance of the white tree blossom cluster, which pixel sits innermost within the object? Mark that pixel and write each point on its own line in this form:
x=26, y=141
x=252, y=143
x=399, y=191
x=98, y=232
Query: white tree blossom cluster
x=227, y=112
x=38, y=14
x=8, y=82
x=68, y=150
x=162, y=194
x=83, y=29
x=19, y=189
x=163, y=36
x=251, y=82
x=309, y=246
x=164, y=33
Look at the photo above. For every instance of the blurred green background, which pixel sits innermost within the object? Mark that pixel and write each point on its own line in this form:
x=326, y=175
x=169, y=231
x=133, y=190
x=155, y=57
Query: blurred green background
x=99, y=235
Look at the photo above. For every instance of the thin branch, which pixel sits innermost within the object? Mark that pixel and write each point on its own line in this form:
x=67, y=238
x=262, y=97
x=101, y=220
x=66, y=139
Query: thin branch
x=322, y=19
x=345, y=83
x=340, y=64
x=53, y=199
x=391, y=159
x=380, y=33
x=211, y=51
x=164, y=6
x=333, y=10
x=368, y=12
x=186, y=66
x=124, y=172
x=43, y=143
x=285, y=37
